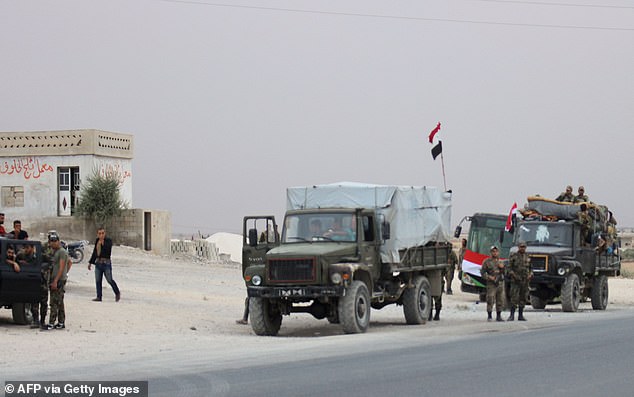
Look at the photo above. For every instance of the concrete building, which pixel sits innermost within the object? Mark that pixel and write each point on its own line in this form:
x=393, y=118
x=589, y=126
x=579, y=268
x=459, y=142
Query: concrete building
x=41, y=175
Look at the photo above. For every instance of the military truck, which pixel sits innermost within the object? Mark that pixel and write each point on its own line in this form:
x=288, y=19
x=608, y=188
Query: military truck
x=18, y=290
x=567, y=266
x=346, y=248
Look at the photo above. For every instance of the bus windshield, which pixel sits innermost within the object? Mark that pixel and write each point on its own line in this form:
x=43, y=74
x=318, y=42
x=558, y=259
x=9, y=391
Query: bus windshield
x=486, y=231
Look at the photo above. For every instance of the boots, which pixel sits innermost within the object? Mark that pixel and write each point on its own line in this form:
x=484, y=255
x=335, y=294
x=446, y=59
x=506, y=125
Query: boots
x=449, y=291
x=437, y=316
x=512, y=316
x=431, y=314
x=489, y=318
x=499, y=316
x=521, y=315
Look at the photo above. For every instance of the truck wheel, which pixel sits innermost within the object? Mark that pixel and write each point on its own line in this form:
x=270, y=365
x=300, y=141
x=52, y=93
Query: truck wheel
x=600, y=293
x=537, y=302
x=417, y=301
x=265, y=319
x=570, y=293
x=21, y=313
x=354, y=308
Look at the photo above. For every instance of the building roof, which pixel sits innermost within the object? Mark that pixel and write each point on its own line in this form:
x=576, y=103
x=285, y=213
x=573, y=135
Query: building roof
x=66, y=142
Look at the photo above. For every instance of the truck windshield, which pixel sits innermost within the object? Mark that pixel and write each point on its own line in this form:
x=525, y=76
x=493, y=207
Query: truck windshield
x=545, y=233
x=322, y=226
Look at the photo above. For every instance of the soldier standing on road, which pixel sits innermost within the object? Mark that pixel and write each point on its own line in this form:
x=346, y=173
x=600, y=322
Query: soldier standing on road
x=453, y=261
x=463, y=249
x=567, y=196
x=58, y=283
x=519, y=272
x=437, y=300
x=493, y=272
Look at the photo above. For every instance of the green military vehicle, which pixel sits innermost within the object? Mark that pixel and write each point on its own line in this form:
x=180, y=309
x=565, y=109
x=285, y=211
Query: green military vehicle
x=346, y=248
x=18, y=290
x=567, y=266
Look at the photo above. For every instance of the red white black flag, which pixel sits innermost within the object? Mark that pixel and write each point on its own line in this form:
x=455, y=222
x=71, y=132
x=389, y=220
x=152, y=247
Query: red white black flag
x=436, y=150
x=509, y=220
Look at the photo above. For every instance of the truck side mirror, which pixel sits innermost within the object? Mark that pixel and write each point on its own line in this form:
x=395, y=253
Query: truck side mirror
x=458, y=231
x=253, y=237
x=385, y=230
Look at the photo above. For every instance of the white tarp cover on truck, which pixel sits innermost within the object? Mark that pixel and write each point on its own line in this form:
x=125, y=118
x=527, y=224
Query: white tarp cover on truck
x=417, y=214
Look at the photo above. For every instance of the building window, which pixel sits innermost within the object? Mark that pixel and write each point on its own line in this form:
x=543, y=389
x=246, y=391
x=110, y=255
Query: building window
x=12, y=196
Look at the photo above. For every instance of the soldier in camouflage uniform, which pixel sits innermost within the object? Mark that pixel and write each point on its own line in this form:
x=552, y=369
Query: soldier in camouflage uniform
x=437, y=300
x=586, y=224
x=58, y=283
x=567, y=196
x=581, y=197
x=453, y=261
x=47, y=264
x=519, y=273
x=492, y=272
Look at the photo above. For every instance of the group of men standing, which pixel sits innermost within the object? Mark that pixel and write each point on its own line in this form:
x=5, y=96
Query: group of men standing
x=518, y=272
x=54, y=274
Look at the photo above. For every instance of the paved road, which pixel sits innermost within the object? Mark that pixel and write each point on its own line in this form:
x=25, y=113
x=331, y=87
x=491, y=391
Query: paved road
x=592, y=358
x=569, y=354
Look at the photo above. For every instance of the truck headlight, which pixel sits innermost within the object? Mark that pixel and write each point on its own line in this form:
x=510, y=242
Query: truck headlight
x=256, y=280
x=561, y=271
x=336, y=278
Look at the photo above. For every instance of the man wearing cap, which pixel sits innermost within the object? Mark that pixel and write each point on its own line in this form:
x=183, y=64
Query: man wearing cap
x=519, y=273
x=581, y=197
x=58, y=282
x=492, y=272
x=567, y=196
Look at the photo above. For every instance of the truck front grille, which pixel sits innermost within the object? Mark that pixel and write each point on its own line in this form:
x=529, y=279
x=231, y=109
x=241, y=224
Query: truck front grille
x=539, y=263
x=292, y=270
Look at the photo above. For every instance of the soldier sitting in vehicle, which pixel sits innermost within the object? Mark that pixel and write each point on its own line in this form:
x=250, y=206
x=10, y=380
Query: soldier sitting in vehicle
x=11, y=259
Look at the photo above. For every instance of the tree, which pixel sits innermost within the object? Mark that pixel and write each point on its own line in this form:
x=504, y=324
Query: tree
x=100, y=199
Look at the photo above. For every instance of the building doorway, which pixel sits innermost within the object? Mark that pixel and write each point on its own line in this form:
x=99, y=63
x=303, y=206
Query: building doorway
x=68, y=190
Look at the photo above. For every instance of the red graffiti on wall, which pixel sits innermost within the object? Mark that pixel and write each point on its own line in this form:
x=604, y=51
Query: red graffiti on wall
x=114, y=170
x=29, y=167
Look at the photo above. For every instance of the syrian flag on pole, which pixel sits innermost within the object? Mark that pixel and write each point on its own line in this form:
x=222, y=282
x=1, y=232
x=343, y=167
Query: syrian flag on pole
x=436, y=150
x=433, y=133
x=511, y=218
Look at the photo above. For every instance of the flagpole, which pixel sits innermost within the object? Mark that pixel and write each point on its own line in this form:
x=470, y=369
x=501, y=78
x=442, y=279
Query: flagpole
x=442, y=161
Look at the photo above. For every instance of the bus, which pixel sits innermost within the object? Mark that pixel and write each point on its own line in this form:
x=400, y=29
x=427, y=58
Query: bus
x=485, y=230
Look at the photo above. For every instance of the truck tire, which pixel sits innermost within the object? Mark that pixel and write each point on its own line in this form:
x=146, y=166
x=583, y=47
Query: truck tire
x=417, y=301
x=599, y=296
x=570, y=293
x=21, y=313
x=265, y=320
x=354, y=308
x=537, y=302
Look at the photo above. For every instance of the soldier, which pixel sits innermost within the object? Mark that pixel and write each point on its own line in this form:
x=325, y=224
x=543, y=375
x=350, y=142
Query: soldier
x=581, y=197
x=463, y=249
x=493, y=272
x=519, y=273
x=567, y=196
x=437, y=300
x=57, y=284
x=453, y=261
x=585, y=221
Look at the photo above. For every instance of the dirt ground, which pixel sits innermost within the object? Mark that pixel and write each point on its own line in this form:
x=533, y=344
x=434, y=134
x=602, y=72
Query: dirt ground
x=183, y=304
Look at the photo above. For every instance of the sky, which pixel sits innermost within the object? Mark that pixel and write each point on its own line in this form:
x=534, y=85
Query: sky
x=231, y=102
